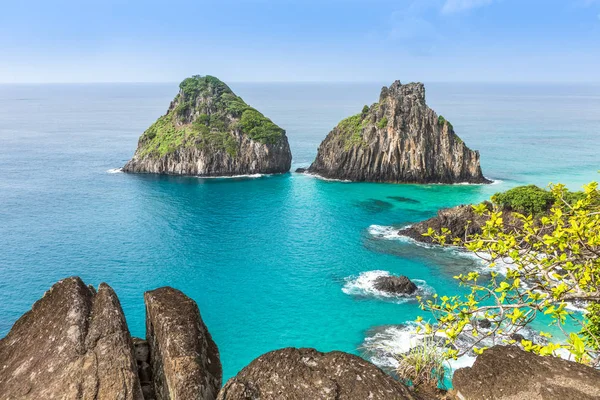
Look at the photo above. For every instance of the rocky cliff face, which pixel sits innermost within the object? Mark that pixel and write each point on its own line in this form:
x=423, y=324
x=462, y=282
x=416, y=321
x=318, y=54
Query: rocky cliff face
x=398, y=139
x=186, y=361
x=73, y=344
x=209, y=131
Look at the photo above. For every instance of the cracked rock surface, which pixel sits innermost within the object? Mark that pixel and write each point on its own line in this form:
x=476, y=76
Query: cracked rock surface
x=398, y=139
x=73, y=344
x=290, y=374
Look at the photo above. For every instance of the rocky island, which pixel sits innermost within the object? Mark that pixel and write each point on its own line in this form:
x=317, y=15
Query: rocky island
x=399, y=140
x=210, y=131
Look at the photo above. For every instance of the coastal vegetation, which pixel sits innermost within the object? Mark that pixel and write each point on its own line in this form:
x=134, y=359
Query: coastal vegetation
x=351, y=129
x=443, y=121
x=550, y=251
x=195, y=121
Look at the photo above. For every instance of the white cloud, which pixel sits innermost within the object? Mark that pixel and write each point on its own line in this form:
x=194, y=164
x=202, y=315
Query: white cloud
x=453, y=6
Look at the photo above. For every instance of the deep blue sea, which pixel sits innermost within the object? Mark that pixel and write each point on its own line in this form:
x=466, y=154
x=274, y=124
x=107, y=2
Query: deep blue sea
x=274, y=261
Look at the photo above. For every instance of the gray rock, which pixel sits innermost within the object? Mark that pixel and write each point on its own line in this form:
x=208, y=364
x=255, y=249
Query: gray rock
x=395, y=285
x=462, y=222
x=302, y=374
x=484, y=323
x=185, y=360
x=202, y=134
x=508, y=373
x=72, y=344
x=399, y=139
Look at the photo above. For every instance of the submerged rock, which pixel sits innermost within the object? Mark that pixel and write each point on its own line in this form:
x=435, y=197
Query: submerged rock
x=308, y=374
x=506, y=372
x=185, y=359
x=210, y=131
x=402, y=199
x=395, y=285
x=72, y=344
x=398, y=139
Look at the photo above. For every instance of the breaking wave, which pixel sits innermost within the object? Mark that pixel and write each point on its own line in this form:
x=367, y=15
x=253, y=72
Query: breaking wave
x=363, y=285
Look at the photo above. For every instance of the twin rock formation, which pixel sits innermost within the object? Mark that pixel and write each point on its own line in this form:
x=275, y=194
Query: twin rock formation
x=75, y=344
x=210, y=131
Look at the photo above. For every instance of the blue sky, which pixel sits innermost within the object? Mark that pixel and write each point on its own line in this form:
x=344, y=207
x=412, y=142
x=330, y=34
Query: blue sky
x=305, y=40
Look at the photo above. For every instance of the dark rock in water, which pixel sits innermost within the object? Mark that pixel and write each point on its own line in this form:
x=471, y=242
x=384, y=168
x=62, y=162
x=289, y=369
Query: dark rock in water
x=401, y=199
x=398, y=139
x=185, y=360
x=375, y=206
x=506, y=372
x=210, y=131
x=395, y=285
x=304, y=374
x=484, y=323
x=301, y=170
x=73, y=344
x=461, y=220
x=517, y=337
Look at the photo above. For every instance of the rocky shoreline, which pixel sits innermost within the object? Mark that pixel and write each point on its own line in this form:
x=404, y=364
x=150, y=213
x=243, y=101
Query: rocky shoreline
x=75, y=344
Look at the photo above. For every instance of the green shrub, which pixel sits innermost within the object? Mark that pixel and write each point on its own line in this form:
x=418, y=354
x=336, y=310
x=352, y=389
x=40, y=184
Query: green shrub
x=422, y=365
x=259, y=127
x=365, y=109
x=528, y=199
x=442, y=121
x=382, y=123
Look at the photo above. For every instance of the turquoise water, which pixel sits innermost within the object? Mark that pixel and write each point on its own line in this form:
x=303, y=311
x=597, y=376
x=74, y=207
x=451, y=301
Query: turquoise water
x=266, y=259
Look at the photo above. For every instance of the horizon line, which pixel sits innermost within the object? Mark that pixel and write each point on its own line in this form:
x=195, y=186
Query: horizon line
x=296, y=82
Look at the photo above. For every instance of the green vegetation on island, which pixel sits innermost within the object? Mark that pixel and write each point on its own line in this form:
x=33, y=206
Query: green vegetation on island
x=207, y=113
x=443, y=121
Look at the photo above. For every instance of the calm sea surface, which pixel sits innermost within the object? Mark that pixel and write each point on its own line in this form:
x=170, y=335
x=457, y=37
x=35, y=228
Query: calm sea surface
x=274, y=261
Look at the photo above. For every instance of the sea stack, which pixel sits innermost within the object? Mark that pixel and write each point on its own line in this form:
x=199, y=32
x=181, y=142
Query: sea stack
x=210, y=131
x=399, y=140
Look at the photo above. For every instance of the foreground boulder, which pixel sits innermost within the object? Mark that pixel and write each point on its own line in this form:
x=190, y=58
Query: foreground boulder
x=72, y=344
x=507, y=373
x=209, y=131
x=395, y=285
x=308, y=374
x=398, y=139
x=185, y=359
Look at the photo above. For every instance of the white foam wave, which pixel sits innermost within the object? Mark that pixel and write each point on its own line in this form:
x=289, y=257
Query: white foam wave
x=384, y=345
x=364, y=285
x=317, y=176
x=115, y=170
x=246, y=176
x=484, y=260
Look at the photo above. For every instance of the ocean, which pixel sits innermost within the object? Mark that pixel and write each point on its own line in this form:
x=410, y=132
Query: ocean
x=272, y=261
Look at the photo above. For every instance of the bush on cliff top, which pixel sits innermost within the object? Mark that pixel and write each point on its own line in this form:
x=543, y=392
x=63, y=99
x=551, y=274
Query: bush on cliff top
x=443, y=121
x=528, y=199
